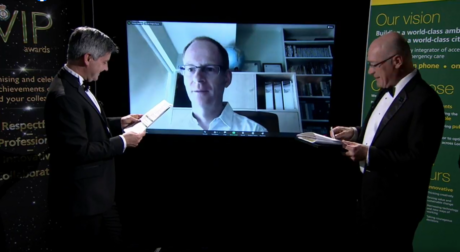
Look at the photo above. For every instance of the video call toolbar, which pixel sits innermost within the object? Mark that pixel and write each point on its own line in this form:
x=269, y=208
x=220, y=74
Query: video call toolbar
x=234, y=133
x=220, y=133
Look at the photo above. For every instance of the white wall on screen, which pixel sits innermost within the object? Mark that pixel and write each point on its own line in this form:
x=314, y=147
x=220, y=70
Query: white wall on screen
x=180, y=62
x=149, y=78
x=166, y=43
x=261, y=42
x=182, y=33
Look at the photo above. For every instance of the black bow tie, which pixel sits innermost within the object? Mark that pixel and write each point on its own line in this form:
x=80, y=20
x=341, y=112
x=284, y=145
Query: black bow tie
x=86, y=86
x=390, y=90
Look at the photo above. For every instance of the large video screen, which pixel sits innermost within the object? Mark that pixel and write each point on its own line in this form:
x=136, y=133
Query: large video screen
x=231, y=79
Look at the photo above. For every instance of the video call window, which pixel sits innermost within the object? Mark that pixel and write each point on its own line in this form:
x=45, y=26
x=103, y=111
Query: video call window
x=269, y=79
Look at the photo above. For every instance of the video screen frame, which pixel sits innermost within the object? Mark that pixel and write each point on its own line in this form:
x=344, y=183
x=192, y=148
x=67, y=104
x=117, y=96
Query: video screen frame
x=290, y=64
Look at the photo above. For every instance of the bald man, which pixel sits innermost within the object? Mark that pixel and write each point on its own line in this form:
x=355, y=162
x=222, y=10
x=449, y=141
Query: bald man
x=395, y=147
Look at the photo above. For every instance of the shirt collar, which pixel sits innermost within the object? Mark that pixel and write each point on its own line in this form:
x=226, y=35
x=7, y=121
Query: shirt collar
x=74, y=74
x=403, y=82
x=226, y=117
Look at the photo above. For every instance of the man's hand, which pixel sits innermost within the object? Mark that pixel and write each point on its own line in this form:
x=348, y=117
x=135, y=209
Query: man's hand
x=130, y=120
x=133, y=139
x=342, y=133
x=356, y=152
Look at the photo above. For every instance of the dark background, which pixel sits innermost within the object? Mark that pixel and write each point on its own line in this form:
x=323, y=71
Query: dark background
x=24, y=222
x=254, y=193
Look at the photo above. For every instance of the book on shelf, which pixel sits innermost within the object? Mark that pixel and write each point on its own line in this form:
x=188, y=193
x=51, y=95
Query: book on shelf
x=150, y=117
x=279, y=95
x=314, y=138
x=306, y=51
x=322, y=88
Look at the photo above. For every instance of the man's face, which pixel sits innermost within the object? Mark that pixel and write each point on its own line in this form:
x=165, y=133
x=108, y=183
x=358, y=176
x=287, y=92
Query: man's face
x=205, y=85
x=382, y=67
x=95, y=67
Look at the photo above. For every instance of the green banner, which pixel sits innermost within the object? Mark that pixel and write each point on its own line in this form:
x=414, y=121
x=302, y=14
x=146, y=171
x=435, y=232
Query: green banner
x=433, y=32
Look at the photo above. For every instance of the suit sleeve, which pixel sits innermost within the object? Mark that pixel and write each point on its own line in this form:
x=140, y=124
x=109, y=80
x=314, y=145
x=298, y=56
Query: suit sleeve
x=115, y=125
x=424, y=136
x=356, y=132
x=73, y=134
x=358, y=128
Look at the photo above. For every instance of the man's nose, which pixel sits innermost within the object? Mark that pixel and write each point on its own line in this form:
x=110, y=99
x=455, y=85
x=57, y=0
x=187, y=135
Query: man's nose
x=198, y=75
x=371, y=70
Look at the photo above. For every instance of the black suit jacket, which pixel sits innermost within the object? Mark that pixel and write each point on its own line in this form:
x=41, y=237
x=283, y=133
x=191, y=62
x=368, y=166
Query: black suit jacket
x=402, y=153
x=82, y=170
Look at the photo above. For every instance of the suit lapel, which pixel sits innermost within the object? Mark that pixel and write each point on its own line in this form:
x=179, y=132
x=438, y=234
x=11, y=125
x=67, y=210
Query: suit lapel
x=397, y=103
x=394, y=107
x=87, y=99
x=76, y=84
x=101, y=105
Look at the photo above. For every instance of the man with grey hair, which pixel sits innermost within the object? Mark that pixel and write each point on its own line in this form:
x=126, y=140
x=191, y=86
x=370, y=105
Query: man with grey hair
x=83, y=143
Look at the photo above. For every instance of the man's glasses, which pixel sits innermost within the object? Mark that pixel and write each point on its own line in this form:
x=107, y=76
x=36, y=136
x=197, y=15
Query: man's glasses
x=381, y=62
x=210, y=70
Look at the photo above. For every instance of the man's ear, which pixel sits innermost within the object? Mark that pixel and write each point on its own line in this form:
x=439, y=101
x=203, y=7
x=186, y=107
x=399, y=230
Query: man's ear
x=228, y=78
x=398, y=61
x=87, y=58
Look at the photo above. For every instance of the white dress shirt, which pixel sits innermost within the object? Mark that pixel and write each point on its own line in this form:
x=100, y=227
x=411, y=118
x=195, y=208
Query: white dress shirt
x=227, y=121
x=92, y=97
x=379, y=112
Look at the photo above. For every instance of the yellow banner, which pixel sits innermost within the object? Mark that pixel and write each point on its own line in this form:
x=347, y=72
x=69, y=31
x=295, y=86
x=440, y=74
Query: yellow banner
x=390, y=2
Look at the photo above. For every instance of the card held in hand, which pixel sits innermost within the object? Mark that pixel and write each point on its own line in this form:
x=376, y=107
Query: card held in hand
x=312, y=137
x=150, y=117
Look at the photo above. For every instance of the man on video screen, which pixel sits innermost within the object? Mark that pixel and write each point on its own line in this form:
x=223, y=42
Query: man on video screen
x=206, y=75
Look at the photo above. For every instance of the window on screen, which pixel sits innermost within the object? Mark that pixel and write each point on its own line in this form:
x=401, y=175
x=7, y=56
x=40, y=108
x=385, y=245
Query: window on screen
x=252, y=79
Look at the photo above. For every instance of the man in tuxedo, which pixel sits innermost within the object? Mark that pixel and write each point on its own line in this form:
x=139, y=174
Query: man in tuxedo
x=396, y=147
x=83, y=143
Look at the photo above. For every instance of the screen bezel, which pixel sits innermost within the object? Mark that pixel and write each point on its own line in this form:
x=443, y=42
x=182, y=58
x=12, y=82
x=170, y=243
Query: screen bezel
x=288, y=27
x=113, y=89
